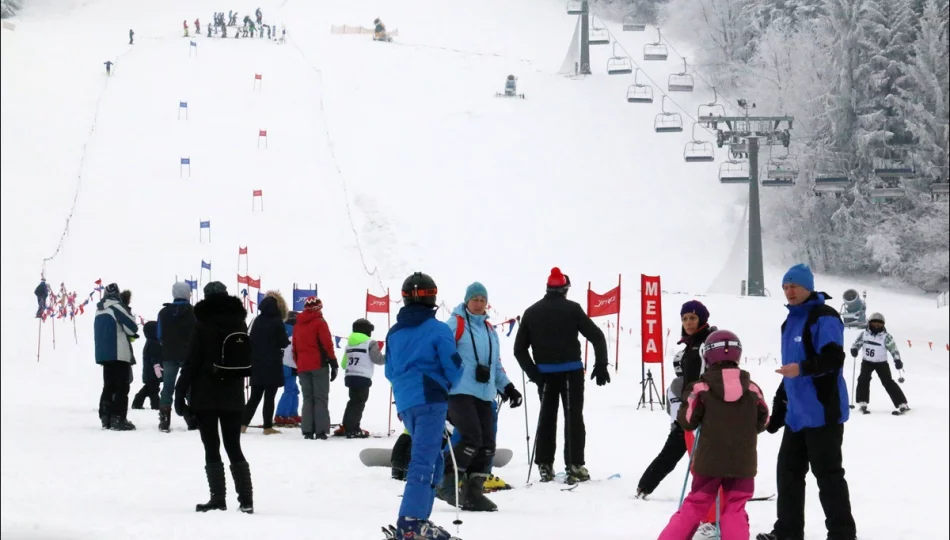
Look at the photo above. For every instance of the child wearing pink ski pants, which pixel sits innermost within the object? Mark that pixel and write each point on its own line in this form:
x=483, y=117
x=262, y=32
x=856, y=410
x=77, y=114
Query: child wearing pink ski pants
x=733, y=520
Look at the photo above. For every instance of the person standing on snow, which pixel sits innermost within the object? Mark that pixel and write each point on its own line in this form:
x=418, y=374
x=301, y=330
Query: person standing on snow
x=470, y=401
x=875, y=342
x=359, y=361
x=151, y=368
x=176, y=323
x=549, y=328
x=289, y=404
x=114, y=328
x=131, y=36
x=108, y=64
x=184, y=25
x=197, y=27
x=731, y=412
x=268, y=341
x=316, y=367
x=812, y=404
x=423, y=366
x=217, y=399
x=42, y=293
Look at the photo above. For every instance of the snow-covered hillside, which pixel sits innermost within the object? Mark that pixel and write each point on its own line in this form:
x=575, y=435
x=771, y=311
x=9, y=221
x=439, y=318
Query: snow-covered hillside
x=380, y=159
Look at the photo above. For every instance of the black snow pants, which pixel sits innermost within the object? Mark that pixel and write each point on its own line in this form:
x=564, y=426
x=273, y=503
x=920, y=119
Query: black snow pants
x=664, y=463
x=568, y=388
x=149, y=390
x=353, y=414
x=116, y=378
x=883, y=371
x=250, y=409
x=475, y=422
x=230, y=422
x=819, y=448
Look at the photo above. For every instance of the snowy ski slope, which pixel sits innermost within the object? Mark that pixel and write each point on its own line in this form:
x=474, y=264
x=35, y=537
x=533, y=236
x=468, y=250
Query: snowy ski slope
x=386, y=157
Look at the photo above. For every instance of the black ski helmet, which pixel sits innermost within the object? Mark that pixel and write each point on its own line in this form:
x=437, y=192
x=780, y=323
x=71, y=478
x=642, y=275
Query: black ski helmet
x=511, y=77
x=363, y=326
x=419, y=288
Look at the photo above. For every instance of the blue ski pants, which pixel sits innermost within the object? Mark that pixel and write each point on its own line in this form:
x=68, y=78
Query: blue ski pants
x=426, y=424
x=289, y=402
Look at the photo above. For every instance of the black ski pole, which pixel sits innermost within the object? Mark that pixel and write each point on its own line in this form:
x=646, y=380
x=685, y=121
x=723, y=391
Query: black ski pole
x=544, y=392
x=527, y=435
x=854, y=370
x=568, y=447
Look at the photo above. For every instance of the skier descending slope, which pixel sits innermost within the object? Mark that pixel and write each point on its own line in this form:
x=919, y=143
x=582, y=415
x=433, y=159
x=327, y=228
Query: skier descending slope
x=549, y=327
x=875, y=343
x=423, y=365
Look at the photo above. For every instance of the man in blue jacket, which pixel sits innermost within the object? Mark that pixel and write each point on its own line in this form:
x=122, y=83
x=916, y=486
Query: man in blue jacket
x=423, y=366
x=812, y=404
x=114, y=330
x=176, y=322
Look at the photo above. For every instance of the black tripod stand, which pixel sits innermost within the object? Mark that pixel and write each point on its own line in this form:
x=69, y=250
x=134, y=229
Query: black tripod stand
x=648, y=386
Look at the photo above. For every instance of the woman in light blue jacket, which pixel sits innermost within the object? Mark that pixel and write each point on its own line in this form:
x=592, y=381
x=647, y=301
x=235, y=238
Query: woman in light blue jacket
x=470, y=401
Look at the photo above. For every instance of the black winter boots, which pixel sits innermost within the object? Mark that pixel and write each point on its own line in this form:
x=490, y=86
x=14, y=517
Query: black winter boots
x=164, y=419
x=241, y=472
x=470, y=492
x=105, y=414
x=217, y=486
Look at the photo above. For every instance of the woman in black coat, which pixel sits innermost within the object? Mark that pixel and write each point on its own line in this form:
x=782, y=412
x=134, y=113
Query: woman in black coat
x=268, y=340
x=216, y=399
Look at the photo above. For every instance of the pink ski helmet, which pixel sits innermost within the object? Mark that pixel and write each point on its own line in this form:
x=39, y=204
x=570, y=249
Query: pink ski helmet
x=722, y=346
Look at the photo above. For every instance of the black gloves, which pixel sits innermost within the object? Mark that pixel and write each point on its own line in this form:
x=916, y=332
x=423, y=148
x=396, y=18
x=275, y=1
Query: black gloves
x=334, y=369
x=513, y=394
x=854, y=353
x=899, y=364
x=600, y=373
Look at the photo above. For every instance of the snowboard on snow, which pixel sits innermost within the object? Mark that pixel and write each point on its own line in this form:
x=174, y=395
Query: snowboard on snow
x=382, y=457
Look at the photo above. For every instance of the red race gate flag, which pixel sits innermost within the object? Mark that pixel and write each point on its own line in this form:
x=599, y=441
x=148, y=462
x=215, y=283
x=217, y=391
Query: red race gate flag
x=380, y=304
x=599, y=305
x=377, y=304
x=651, y=324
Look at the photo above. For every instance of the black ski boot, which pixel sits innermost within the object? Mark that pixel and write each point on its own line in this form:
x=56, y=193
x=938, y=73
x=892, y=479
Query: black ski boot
x=576, y=474
x=120, y=423
x=399, y=471
x=449, y=490
x=105, y=416
x=138, y=402
x=546, y=470
x=164, y=419
x=217, y=486
x=191, y=422
x=241, y=473
x=473, y=490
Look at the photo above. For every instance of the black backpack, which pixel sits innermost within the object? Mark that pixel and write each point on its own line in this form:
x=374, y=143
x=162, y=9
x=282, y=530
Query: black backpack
x=235, y=361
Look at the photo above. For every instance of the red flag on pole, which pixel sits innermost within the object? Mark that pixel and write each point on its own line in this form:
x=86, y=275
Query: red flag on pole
x=599, y=305
x=377, y=304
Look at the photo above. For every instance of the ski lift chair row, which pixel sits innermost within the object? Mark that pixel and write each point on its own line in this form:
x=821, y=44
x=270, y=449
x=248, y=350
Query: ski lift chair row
x=639, y=93
x=631, y=23
x=681, y=82
x=734, y=172
x=656, y=51
x=667, y=122
x=619, y=65
x=698, y=150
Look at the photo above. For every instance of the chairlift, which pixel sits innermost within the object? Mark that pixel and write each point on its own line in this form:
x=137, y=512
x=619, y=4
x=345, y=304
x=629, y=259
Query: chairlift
x=698, y=150
x=734, y=172
x=575, y=8
x=940, y=188
x=681, y=82
x=598, y=35
x=893, y=168
x=656, y=51
x=639, y=93
x=783, y=170
x=831, y=182
x=710, y=111
x=888, y=190
x=619, y=65
x=667, y=122
x=738, y=146
x=632, y=23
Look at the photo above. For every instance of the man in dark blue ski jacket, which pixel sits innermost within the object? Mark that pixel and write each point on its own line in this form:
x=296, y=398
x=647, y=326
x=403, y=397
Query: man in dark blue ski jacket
x=812, y=404
x=176, y=322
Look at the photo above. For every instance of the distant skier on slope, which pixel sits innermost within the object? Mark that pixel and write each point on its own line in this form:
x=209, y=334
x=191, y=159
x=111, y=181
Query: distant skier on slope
x=379, y=31
x=874, y=344
x=108, y=64
x=131, y=36
x=42, y=293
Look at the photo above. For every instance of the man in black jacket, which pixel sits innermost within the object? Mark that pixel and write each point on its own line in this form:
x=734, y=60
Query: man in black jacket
x=549, y=328
x=176, y=322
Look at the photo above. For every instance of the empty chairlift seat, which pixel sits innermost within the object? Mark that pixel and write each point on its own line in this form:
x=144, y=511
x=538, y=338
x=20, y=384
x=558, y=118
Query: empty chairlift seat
x=734, y=172
x=698, y=150
x=656, y=51
x=888, y=191
x=892, y=168
x=681, y=82
x=618, y=64
x=633, y=23
x=575, y=8
x=598, y=35
x=667, y=122
x=832, y=182
x=940, y=188
x=639, y=93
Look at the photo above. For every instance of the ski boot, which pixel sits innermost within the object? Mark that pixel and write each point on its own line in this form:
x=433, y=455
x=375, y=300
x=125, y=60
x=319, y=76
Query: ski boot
x=408, y=528
x=119, y=423
x=901, y=409
x=165, y=419
x=105, y=418
x=358, y=434
x=546, y=470
x=217, y=486
x=191, y=422
x=241, y=473
x=339, y=432
x=706, y=531
x=576, y=474
x=641, y=494
x=494, y=483
x=450, y=491
x=863, y=407
x=473, y=496
x=138, y=402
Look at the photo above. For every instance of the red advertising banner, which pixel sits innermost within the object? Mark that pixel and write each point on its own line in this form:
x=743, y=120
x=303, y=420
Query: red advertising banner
x=651, y=320
x=256, y=283
x=242, y=279
x=377, y=304
x=599, y=305
x=380, y=304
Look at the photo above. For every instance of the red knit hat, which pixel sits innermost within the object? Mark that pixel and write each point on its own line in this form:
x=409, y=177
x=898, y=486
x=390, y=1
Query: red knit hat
x=313, y=303
x=557, y=280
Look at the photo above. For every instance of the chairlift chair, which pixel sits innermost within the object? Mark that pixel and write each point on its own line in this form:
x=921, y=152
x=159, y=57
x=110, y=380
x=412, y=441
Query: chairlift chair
x=940, y=188
x=681, y=82
x=888, y=191
x=598, y=34
x=831, y=182
x=656, y=51
x=619, y=65
x=892, y=169
x=667, y=122
x=738, y=146
x=639, y=93
x=575, y=8
x=708, y=112
x=782, y=171
x=734, y=172
x=697, y=150
x=632, y=23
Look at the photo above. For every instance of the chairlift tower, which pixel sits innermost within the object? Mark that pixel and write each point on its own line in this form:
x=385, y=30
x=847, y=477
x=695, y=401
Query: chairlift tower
x=771, y=130
x=585, y=38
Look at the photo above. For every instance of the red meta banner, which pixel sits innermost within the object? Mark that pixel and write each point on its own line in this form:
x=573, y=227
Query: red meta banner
x=608, y=303
x=377, y=304
x=651, y=319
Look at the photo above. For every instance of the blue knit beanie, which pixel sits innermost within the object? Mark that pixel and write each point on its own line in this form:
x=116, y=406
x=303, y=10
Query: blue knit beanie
x=475, y=289
x=698, y=308
x=800, y=275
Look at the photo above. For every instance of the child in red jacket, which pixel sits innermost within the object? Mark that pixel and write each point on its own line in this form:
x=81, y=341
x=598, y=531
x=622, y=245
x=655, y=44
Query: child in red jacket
x=316, y=367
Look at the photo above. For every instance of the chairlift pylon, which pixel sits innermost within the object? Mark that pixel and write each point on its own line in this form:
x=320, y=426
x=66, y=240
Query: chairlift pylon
x=619, y=65
x=639, y=93
x=698, y=150
x=681, y=82
x=666, y=121
x=632, y=23
x=656, y=51
x=598, y=35
x=734, y=172
x=708, y=112
x=575, y=7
